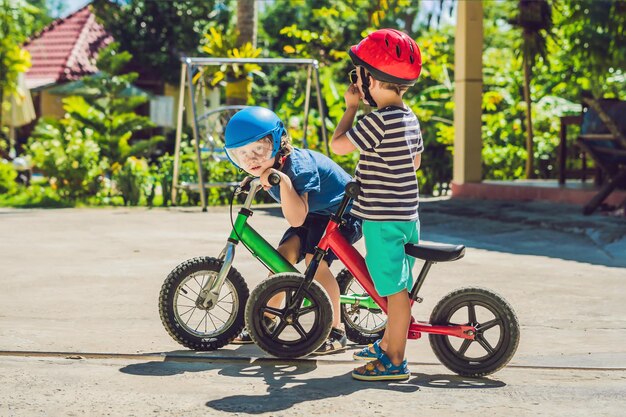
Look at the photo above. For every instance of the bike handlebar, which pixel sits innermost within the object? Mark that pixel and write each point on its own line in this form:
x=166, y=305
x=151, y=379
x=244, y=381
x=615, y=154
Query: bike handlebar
x=352, y=191
x=274, y=178
x=246, y=185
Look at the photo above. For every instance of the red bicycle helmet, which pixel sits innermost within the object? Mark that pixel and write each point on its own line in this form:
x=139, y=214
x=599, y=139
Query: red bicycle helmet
x=390, y=56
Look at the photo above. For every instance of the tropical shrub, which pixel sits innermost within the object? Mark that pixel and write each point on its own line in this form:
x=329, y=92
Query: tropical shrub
x=35, y=195
x=107, y=109
x=68, y=156
x=8, y=174
x=131, y=180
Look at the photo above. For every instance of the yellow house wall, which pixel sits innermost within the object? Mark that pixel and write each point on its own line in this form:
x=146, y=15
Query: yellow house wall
x=51, y=106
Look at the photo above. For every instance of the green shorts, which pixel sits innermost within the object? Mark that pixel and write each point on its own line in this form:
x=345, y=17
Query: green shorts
x=390, y=267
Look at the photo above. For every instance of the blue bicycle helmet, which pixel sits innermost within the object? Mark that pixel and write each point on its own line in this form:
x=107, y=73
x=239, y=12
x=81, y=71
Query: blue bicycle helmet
x=250, y=125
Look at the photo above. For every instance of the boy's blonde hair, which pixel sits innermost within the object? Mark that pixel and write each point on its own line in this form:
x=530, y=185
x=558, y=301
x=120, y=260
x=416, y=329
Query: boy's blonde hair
x=399, y=89
x=285, y=143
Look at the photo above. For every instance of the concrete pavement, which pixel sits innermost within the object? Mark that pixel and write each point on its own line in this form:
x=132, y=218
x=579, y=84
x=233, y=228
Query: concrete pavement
x=80, y=332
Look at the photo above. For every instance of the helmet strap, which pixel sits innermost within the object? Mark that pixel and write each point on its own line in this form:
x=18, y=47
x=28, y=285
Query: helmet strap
x=279, y=160
x=365, y=81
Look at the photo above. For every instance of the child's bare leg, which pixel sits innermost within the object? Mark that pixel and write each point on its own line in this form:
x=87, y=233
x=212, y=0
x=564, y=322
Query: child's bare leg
x=398, y=321
x=289, y=249
x=328, y=281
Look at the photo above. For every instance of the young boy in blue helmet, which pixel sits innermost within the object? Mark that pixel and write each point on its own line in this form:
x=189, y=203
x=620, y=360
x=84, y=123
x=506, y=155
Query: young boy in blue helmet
x=389, y=141
x=310, y=190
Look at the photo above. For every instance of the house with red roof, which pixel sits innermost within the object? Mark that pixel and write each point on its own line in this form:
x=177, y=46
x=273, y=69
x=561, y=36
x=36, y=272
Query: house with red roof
x=64, y=51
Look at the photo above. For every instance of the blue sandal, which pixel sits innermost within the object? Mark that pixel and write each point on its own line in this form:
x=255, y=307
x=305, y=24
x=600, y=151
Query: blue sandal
x=392, y=372
x=366, y=354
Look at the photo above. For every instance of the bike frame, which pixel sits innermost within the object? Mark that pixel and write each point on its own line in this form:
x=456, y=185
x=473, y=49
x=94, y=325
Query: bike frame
x=355, y=263
x=260, y=249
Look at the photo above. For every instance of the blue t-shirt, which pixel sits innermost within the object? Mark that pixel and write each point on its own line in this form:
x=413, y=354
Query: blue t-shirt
x=315, y=174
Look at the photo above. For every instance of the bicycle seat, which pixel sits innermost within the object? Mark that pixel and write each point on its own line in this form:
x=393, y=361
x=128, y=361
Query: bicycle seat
x=435, y=253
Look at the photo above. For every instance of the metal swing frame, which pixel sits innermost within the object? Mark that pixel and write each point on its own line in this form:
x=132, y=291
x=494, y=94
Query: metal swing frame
x=189, y=65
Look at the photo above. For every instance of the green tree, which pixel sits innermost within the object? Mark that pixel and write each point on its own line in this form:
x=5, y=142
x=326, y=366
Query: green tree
x=107, y=110
x=591, y=46
x=158, y=33
x=246, y=29
x=247, y=22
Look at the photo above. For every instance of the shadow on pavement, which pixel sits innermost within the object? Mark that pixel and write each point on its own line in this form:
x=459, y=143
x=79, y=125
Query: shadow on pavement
x=526, y=228
x=287, y=384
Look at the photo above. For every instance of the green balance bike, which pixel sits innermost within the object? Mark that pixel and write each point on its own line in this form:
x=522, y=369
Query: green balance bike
x=202, y=301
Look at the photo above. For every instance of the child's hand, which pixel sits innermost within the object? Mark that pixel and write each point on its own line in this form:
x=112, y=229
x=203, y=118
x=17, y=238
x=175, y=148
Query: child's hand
x=265, y=178
x=352, y=96
x=244, y=183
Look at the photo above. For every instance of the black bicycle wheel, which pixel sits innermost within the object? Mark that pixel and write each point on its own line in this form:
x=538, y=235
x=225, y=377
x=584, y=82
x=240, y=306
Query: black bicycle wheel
x=497, y=332
x=196, y=327
x=294, y=333
x=364, y=325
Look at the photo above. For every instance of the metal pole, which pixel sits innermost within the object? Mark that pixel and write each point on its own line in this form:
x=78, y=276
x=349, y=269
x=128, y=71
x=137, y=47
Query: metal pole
x=196, y=136
x=562, y=152
x=320, y=107
x=179, y=131
x=260, y=61
x=307, y=101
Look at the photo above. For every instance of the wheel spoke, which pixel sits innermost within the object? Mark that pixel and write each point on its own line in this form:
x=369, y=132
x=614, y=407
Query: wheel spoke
x=202, y=282
x=212, y=322
x=488, y=325
x=273, y=311
x=278, y=330
x=481, y=340
x=306, y=310
x=192, y=308
x=209, y=317
x=464, y=346
x=190, y=316
x=296, y=325
x=200, y=322
x=471, y=312
x=225, y=295
x=363, y=319
x=288, y=297
x=227, y=312
x=191, y=289
x=190, y=299
x=217, y=317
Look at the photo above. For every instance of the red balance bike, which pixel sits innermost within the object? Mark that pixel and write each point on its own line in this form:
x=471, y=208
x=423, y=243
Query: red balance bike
x=473, y=331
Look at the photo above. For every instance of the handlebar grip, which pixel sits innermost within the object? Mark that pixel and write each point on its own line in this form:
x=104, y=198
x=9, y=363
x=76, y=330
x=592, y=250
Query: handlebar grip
x=352, y=189
x=274, y=178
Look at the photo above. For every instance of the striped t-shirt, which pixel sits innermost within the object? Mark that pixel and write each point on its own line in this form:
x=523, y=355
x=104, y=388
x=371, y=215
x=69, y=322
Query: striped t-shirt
x=388, y=140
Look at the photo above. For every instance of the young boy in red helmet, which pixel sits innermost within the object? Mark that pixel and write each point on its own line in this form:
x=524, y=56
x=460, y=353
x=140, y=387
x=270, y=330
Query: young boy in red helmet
x=389, y=141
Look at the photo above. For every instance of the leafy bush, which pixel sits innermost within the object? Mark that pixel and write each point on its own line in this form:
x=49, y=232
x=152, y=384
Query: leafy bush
x=130, y=180
x=67, y=156
x=35, y=195
x=7, y=178
x=107, y=106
